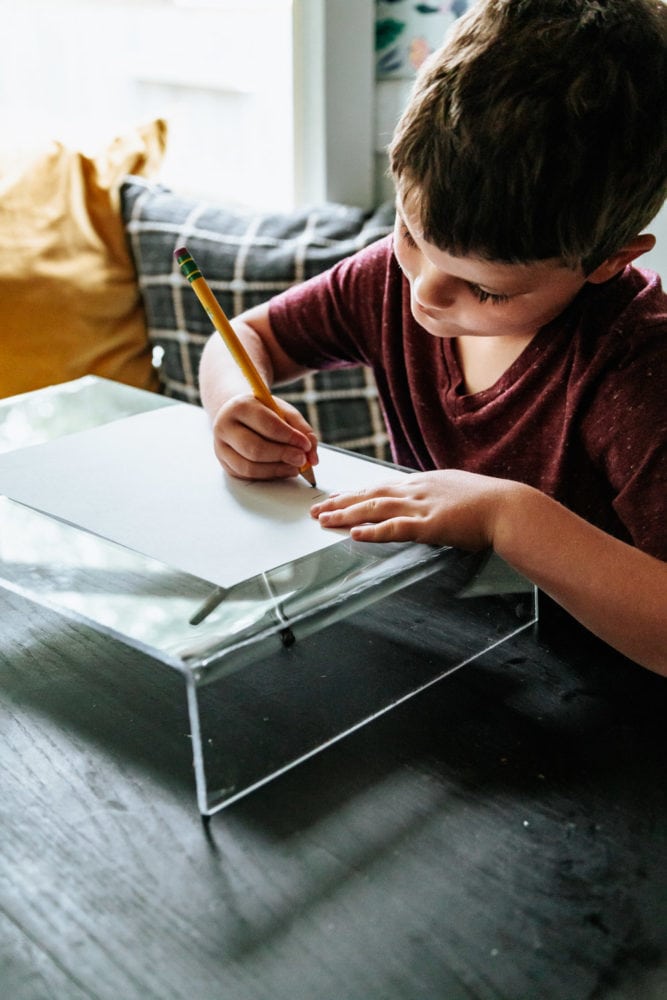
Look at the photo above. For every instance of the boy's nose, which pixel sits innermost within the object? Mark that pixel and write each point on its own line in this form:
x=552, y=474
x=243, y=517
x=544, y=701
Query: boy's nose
x=433, y=289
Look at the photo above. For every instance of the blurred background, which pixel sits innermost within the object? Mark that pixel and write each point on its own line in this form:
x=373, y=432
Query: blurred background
x=270, y=103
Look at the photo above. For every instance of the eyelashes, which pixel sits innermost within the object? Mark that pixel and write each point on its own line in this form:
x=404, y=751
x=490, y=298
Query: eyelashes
x=481, y=294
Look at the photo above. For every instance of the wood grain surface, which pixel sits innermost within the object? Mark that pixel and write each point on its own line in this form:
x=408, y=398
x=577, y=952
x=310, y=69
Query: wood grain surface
x=502, y=836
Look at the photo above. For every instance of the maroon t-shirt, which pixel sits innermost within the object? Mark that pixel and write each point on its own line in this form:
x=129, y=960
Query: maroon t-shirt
x=581, y=414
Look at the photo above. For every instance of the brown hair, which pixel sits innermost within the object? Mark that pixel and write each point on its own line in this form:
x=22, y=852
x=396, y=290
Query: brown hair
x=538, y=130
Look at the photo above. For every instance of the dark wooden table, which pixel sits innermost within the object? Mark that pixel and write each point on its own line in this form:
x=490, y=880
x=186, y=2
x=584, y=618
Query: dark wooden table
x=501, y=835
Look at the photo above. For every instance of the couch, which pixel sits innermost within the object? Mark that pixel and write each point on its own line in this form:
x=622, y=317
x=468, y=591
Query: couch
x=91, y=285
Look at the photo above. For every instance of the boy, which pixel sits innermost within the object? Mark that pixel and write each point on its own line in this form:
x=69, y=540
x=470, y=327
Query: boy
x=521, y=361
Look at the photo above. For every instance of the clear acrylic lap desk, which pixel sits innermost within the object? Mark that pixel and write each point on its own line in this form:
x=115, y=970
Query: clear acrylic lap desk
x=267, y=681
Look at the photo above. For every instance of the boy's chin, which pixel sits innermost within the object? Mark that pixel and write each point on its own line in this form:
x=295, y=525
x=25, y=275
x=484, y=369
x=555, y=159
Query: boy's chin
x=445, y=331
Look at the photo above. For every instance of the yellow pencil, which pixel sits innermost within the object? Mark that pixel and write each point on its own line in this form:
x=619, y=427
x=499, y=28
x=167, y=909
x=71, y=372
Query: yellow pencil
x=260, y=390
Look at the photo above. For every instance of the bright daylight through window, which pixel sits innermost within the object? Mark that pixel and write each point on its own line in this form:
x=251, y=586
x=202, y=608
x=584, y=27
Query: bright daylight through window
x=220, y=71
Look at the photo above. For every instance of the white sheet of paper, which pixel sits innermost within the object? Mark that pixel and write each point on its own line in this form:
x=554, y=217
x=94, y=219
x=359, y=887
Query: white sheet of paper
x=152, y=483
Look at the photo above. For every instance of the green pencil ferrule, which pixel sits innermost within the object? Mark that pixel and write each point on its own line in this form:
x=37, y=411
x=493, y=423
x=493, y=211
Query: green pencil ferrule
x=189, y=269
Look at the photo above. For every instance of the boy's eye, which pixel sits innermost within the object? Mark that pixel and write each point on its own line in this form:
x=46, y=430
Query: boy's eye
x=480, y=293
x=483, y=296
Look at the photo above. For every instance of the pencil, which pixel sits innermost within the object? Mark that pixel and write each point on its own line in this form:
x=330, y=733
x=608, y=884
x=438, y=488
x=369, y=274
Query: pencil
x=260, y=389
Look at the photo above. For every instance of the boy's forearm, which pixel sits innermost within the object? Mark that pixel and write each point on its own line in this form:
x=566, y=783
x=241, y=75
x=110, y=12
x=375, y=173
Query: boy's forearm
x=220, y=378
x=615, y=590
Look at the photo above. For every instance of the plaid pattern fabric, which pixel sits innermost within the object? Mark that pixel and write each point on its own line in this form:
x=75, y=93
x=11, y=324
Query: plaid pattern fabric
x=246, y=259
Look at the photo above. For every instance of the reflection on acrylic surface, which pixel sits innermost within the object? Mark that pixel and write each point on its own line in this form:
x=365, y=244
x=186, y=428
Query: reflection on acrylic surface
x=74, y=406
x=159, y=609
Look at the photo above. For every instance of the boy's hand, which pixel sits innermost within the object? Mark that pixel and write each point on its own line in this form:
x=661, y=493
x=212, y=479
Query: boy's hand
x=253, y=442
x=437, y=508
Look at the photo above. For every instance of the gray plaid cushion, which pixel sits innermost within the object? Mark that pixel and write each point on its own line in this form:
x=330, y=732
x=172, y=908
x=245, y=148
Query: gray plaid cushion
x=247, y=258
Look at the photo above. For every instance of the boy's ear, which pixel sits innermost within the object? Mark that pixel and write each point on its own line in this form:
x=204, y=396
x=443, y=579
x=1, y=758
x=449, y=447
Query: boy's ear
x=621, y=258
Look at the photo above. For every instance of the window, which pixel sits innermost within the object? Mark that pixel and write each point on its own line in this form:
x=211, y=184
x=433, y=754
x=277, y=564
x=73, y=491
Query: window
x=269, y=102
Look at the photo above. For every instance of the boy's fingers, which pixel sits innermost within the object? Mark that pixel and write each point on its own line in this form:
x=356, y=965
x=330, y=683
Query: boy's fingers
x=286, y=426
x=336, y=501
x=244, y=468
x=370, y=510
x=342, y=501
x=297, y=421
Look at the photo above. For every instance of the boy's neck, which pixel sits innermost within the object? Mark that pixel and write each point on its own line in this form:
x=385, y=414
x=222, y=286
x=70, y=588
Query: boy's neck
x=483, y=360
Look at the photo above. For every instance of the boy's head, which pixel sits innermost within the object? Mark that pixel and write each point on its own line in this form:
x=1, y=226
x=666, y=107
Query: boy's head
x=539, y=131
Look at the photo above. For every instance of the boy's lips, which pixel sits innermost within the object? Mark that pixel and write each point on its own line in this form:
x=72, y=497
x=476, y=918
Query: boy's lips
x=427, y=312
x=433, y=315
x=436, y=324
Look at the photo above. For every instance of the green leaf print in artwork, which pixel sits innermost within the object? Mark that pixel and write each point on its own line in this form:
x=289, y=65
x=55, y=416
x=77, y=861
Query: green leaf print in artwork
x=387, y=31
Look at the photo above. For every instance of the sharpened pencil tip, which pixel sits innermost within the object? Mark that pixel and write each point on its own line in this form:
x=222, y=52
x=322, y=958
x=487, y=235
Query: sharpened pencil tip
x=308, y=475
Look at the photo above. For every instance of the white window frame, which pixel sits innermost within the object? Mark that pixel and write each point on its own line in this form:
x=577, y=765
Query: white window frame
x=334, y=106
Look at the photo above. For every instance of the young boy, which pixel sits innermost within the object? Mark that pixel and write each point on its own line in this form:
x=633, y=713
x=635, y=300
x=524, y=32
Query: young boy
x=521, y=361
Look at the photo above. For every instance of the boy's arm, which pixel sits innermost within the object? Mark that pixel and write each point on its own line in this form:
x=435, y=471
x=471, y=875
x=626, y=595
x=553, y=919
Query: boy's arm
x=614, y=589
x=250, y=440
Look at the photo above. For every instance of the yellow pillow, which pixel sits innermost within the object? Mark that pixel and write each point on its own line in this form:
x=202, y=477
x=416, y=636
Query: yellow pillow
x=69, y=301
